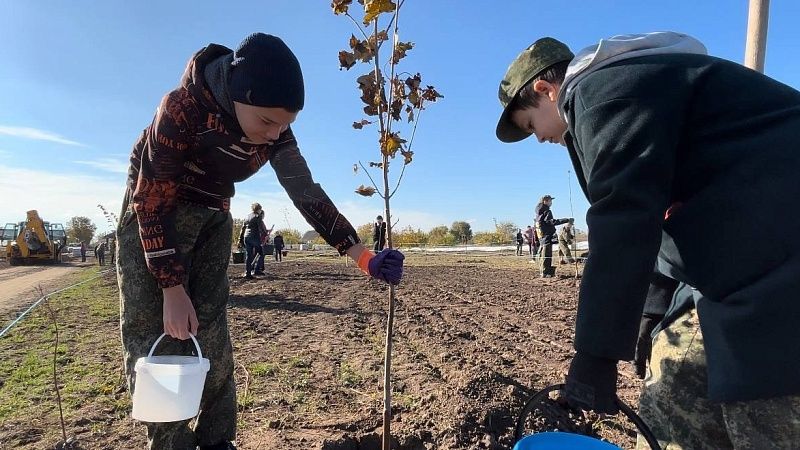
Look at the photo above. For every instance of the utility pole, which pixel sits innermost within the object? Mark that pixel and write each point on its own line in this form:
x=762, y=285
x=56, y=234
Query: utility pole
x=756, y=47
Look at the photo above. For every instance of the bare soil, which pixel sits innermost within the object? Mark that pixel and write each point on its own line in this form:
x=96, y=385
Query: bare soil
x=474, y=337
x=22, y=285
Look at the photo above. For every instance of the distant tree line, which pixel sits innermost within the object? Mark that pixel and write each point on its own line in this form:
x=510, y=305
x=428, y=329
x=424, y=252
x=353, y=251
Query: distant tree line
x=458, y=233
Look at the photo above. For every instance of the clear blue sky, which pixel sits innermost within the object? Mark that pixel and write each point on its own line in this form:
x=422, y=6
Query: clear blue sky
x=80, y=79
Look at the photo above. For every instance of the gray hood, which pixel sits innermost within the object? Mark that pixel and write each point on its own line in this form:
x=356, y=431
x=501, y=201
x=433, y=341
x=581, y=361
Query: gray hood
x=624, y=46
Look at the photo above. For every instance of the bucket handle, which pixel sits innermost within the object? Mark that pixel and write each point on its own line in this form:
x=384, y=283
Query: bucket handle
x=196, y=345
x=536, y=398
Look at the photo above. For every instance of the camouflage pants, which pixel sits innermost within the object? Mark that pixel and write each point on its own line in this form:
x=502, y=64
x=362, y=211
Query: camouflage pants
x=674, y=404
x=205, y=240
x=546, y=253
x=564, y=251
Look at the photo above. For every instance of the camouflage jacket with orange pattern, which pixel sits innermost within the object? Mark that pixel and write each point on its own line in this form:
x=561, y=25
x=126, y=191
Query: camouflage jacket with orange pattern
x=194, y=152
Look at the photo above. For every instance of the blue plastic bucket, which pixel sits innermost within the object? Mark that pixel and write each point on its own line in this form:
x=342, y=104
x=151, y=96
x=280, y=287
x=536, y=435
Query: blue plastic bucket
x=557, y=440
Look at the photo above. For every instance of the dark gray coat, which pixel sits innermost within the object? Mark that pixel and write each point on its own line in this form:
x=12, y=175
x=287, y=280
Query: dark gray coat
x=724, y=142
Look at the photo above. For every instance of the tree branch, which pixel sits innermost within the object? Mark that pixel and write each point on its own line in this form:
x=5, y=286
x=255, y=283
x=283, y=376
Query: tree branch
x=361, y=30
x=414, y=130
x=399, y=179
x=391, y=78
x=408, y=148
x=374, y=184
x=397, y=9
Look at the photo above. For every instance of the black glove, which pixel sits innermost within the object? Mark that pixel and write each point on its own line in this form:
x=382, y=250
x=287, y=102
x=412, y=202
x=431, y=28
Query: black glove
x=592, y=384
x=644, y=344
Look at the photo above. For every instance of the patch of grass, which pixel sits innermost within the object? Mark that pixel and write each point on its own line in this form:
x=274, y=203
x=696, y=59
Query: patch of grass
x=263, y=369
x=294, y=379
x=405, y=401
x=297, y=362
x=378, y=343
x=23, y=384
x=88, y=360
x=298, y=398
x=244, y=401
x=349, y=376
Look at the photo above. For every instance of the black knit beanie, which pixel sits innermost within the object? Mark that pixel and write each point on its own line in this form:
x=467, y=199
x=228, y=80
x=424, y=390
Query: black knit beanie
x=266, y=73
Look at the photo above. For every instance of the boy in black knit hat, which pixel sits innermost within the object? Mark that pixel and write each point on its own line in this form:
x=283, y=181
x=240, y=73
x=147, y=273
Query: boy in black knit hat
x=230, y=115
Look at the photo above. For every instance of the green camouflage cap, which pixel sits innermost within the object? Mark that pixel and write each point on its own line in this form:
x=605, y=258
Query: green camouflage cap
x=531, y=62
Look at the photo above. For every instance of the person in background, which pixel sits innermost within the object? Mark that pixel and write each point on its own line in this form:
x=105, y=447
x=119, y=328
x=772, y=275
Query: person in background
x=530, y=237
x=547, y=224
x=265, y=238
x=519, y=240
x=230, y=116
x=100, y=253
x=277, y=242
x=379, y=234
x=565, y=239
x=83, y=251
x=250, y=239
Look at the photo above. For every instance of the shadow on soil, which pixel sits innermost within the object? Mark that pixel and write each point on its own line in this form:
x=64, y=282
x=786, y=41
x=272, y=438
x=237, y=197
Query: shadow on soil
x=271, y=302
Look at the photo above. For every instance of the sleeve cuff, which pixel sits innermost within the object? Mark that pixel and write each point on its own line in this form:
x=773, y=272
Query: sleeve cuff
x=363, y=261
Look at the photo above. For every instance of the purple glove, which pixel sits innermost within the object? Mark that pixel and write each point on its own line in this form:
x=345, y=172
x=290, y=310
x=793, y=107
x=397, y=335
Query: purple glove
x=387, y=266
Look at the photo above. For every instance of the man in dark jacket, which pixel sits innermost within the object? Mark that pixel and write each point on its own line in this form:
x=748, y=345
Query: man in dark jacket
x=651, y=121
x=277, y=242
x=547, y=226
x=250, y=238
x=519, y=239
x=379, y=234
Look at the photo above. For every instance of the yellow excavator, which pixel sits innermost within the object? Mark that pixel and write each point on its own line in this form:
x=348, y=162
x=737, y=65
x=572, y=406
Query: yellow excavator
x=33, y=241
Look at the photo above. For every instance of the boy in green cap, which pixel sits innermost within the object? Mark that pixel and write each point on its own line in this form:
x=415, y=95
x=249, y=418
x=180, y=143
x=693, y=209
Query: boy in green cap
x=651, y=121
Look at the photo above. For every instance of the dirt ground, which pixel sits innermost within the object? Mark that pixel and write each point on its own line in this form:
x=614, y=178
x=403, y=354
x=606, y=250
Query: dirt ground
x=475, y=335
x=19, y=285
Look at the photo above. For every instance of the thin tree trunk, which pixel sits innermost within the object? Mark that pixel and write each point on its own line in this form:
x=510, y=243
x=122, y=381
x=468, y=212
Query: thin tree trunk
x=387, y=362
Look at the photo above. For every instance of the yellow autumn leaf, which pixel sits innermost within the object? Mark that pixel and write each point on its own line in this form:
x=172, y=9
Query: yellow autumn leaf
x=391, y=144
x=372, y=8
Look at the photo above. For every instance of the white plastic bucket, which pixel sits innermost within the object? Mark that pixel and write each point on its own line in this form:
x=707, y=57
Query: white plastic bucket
x=168, y=388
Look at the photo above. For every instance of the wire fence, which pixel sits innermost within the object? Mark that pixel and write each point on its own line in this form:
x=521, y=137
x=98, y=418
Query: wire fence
x=33, y=306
